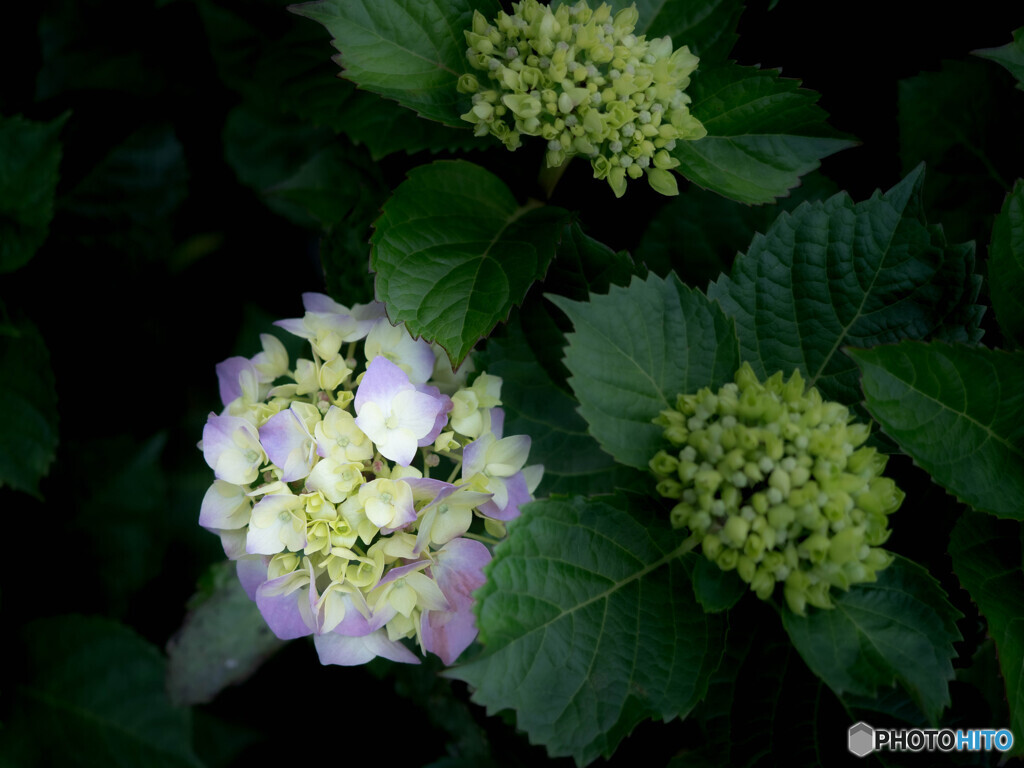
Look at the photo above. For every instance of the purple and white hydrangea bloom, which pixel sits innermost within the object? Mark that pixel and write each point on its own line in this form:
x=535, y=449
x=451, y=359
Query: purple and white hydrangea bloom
x=323, y=493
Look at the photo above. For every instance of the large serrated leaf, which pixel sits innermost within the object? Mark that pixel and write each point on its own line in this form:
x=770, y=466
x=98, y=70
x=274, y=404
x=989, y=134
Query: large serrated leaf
x=958, y=411
x=454, y=252
x=840, y=273
x=634, y=350
x=573, y=461
x=1010, y=56
x=406, y=50
x=1006, y=265
x=764, y=133
x=29, y=161
x=707, y=27
x=987, y=558
x=28, y=408
x=100, y=687
x=590, y=626
x=899, y=629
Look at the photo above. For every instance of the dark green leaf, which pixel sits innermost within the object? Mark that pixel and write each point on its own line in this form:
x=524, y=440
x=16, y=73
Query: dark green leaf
x=1006, y=265
x=582, y=266
x=899, y=629
x=699, y=233
x=97, y=698
x=708, y=27
x=959, y=412
x=589, y=626
x=405, y=50
x=127, y=200
x=838, y=273
x=764, y=133
x=573, y=461
x=454, y=253
x=124, y=517
x=1010, y=56
x=634, y=350
x=322, y=191
x=302, y=173
x=284, y=66
x=987, y=558
x=223, y=640
x=715, y=589
x=385, y=128
x=29, y=162
x=963, y=148
x=28, y=408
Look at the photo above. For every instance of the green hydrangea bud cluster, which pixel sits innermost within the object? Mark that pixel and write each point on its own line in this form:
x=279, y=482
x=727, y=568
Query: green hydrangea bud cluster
x=581, y=79
x=776, y=484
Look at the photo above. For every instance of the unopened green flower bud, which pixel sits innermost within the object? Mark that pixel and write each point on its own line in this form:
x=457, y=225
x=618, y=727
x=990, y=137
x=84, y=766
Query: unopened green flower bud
x=779, y=486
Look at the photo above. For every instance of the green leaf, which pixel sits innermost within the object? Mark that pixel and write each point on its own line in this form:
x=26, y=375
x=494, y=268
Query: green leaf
x=634, y=350
x=127, y=200
x=28, y=408
x=589, y=626
x=963, y=148
x=1010, y=56
x=958, y=412
x=573, y=461
x=764, y=133
x=223, y=640
x=708, y=27
x=454, y=253
x=29, y=162
x=699, y=233
x=101, y=688
x=838, y=273
x=283, y=66
x=322, y=191
x=898, y=629
x=987, y=559
x=1006, y=265
x=582, y=266
x=409, y=51
x=715, y=589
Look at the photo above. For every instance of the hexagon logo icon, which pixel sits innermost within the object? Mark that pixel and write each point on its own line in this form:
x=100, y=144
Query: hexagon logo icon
x=861, y=739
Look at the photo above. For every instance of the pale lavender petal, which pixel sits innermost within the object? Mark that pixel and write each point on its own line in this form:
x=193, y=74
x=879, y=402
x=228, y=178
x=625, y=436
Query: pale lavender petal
x=224, y=506
x=354, y=624
x=233, y=542
x=319, y=302
x=223, y=439
x=295, y=326
x=228, y=372
x=252, y=572
x=382, y=381
x=473, y=454
x=333, y=648
x=429, y=488
x=288, y=445
x=518, y=493
x=448, y=633
x=287, y=615
x=398, y=445
x=442, y=416
x=497, y=422
x=458, y=571
x=402, y=570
